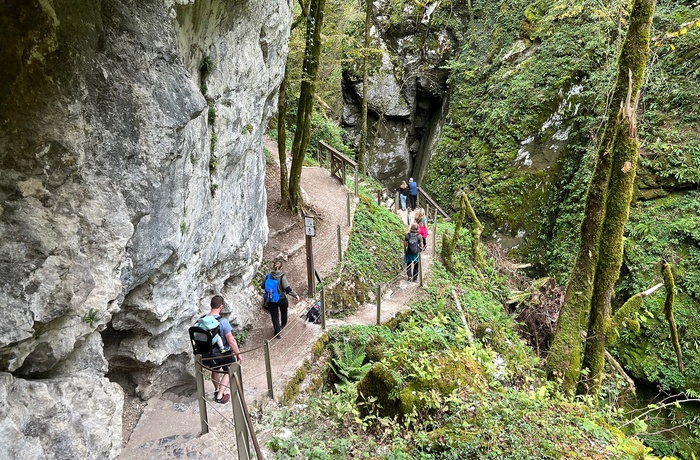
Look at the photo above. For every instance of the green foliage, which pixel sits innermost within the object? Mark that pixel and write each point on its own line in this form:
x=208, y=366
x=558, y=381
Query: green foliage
x=451, y=397
x=669, y=229
x=375, y=249
x=214, y=138
x=90, y=317
x=347, y=363
x=521, y=65
x=211, y=115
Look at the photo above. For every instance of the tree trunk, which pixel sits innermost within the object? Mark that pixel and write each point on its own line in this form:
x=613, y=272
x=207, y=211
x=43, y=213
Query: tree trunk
x=477, y=228
x=564, y=359
x=449, y=244
x=670, y=286
x=282, y=138
x=312, y=55
x=625, y=150
x=365, y=83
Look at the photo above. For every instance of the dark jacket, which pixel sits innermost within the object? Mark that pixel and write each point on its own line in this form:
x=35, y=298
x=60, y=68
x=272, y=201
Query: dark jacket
x=402, y=191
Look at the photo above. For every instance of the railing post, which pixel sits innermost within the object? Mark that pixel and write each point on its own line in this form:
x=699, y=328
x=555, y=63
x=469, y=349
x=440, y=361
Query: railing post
x=199, y=377
x=379, y=198
x=348, y=208
x=420, y=270
x=379, y=305
x=268, y=370
x=357, y=186
x=239, y=421
x=340, y=245
x=323, y=308
x=435, y=232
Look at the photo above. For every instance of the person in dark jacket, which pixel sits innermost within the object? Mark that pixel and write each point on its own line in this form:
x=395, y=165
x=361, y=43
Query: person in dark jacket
x=403, y=194
x=412, y=193
x=413, y=244
x=280, y=307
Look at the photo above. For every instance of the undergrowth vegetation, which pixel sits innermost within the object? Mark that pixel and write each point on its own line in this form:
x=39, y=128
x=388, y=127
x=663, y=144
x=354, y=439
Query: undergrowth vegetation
x=448, y=379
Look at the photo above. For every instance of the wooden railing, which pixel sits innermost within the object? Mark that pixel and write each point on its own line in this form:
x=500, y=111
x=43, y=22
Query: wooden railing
x=339, y=164
x=430, y=204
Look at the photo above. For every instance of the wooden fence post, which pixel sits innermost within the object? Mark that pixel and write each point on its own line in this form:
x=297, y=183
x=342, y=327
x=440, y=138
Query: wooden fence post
x=323, y=308
x=268, y=370
x=340, y=245
x=199, y=377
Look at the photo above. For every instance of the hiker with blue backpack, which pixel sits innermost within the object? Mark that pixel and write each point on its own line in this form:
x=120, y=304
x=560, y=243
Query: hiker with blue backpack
x=276, y=289
x=212, y=337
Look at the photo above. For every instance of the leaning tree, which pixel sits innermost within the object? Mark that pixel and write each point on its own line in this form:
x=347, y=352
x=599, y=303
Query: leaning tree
x=586, y=311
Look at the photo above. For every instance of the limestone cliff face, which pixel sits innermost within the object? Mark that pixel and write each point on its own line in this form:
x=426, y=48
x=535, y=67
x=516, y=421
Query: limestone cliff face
x=407, y=92
x=132, y=186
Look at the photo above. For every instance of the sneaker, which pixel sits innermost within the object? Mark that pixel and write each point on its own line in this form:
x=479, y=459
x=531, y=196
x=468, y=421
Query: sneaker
x=224, y=399
x=279, y=336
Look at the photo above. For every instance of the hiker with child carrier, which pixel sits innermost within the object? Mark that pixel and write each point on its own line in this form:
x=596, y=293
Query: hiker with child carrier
x=413, y=244
x=212, y=338
x=276, y=289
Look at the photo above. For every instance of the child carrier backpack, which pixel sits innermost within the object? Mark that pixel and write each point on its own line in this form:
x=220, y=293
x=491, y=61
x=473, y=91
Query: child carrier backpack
x=413, y=243
x=272, y=292
x=205, y=336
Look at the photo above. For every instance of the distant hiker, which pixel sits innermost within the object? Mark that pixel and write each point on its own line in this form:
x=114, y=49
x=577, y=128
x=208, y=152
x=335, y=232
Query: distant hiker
x=413, y=245
x=276, y=289
x=403, y=193
x=412, y=193
x=223, y=354
x=422, y=222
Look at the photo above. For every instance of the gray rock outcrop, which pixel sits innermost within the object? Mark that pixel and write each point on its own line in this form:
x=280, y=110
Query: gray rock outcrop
x=132, y=186
x=407, y=93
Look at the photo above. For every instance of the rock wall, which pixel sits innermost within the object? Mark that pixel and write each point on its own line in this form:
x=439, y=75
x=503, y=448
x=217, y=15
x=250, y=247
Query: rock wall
x=407, y=93
x=132, y=186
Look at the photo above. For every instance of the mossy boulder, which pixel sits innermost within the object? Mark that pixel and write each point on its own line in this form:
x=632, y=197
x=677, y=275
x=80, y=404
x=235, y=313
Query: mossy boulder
x=374, y=392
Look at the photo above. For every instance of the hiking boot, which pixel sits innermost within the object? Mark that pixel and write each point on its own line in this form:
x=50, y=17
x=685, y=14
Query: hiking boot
x=224, y=399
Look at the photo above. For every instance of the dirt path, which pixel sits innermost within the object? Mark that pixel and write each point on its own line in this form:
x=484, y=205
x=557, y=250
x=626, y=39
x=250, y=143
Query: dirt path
x=169, y=426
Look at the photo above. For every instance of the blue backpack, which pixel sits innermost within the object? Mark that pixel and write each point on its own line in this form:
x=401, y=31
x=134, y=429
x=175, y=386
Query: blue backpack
x=272, y=292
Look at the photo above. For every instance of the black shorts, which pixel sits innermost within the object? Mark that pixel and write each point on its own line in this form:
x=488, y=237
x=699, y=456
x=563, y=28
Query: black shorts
x=220, y=364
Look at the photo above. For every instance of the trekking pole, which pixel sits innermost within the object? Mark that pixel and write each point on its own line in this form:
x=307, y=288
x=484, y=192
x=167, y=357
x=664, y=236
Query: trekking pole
x=268, y=370
x=379, y=304
x=199, y=377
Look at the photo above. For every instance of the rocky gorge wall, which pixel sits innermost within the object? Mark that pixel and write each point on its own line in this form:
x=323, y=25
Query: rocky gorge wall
x=407, y=91
x=132, y=185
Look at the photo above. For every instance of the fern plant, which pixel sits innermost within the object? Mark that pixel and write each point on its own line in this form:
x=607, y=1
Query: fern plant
x=347, y=365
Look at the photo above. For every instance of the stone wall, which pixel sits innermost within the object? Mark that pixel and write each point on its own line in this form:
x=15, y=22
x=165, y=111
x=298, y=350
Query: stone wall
x=128, y=197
